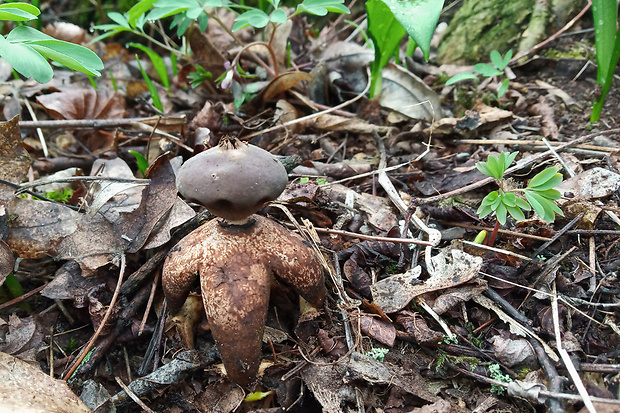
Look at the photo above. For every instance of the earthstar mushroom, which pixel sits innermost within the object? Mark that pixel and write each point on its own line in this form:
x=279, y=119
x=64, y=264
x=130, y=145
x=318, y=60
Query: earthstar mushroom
x=238, y=258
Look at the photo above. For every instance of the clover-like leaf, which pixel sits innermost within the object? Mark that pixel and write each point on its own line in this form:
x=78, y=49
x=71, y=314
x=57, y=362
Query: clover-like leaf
x=254, y=17
x=460, y=77
x=496, y=59
x=509, y=159
x=503, y=88
x=522, y=203
x=484, y=210
x=546, y=208
x=507, y=58
x=509, y=199
x=500, y=212
x=534, y=201
x=549, y=193
x=487, y=70
x=322, y=7
x=516, y=213
x=542, y=178
x=18, y=12
x=485, y=168
x=491, y=198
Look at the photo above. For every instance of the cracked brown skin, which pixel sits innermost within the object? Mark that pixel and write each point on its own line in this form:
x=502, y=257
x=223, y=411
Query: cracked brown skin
x=236, y=265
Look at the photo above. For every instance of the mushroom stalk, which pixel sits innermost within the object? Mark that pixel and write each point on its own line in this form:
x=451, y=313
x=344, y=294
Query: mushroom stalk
x=236, y=264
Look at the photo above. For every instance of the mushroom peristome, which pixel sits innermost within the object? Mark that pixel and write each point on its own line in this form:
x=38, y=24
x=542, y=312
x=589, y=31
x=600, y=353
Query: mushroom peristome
x=236, y=262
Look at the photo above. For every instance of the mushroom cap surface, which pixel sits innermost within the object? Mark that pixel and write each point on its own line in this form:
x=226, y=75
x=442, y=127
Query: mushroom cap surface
x=232, y=180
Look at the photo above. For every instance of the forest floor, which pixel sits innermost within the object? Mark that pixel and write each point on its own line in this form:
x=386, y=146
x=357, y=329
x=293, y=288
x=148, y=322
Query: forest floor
x=406, y=327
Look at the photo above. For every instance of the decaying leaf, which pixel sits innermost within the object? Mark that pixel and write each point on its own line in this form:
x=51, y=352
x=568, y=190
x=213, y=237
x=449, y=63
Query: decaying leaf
x=450, y=268
x=514, y=352
x=89, y=103
x=382, y=331
x=282, y=83
x=24, y=388
x=593, y=183
x=404, y=92
x=14, y=160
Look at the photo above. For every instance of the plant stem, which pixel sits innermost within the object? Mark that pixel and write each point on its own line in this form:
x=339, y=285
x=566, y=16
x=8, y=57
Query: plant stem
x=491, y=241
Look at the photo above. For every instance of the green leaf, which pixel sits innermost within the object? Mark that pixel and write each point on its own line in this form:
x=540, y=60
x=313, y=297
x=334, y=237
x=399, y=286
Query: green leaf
x=522, y=203
x=278, y=16
x=496, y=167
x=143, y=164
x=544, y=207
x=507, y=58
x=152, y=90
x=255, y=18
x=509, y=199
x=485, y=168
x=542, y=178
x=162, y=12
x=419, y=18
x=549, y=193
x=71, y=55
x=510, y=158
x=500, y=212
x=516, y=213
x=386, y=33
x=460, y=77
x=322, y=7
x=26, y=61
x=487, y=70
x=491, y=198
x=119, y=19
x=138, y=10
x=503, y=88
x=496, y=59
x=157, y=61
x=484, y=210
x=534, y=201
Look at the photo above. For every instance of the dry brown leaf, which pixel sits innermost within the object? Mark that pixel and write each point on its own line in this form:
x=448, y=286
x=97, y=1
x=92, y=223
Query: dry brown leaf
x=547, y=122
x=282, y=83
x=450, y=268
x=404, y=92
x=102, y=103
x=14, y=160
x=382, y=331
x=24, y=388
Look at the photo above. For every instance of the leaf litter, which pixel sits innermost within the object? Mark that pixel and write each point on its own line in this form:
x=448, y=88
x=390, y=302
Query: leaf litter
x=443, y=315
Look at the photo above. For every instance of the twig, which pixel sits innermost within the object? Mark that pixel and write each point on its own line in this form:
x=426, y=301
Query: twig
x=101, y=123
x=567, y=168
x=371, y=237
x=133, y=396
x=555, y=35
x=566, y=358
x=501, y=231
x=536, y=143
x=22, y=297
x=520, y=165
x=102, y=325
x=499, y=250
x=33, y=115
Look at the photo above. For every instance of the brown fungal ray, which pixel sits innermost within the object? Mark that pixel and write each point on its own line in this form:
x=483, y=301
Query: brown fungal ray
x=180, y=272
x=236, y=264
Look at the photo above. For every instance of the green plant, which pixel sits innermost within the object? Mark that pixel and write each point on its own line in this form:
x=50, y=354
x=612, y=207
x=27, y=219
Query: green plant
x=449, y=339
x=28, y=50
x=496, y=374
x=539, y=193
x=607, y=42
x=378, y=353
x=495, y=68
x=389, y=21
x=186, y=12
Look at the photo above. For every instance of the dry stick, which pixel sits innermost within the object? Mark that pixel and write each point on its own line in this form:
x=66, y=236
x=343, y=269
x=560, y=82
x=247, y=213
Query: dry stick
x=372, y=237
x=101, y=123
x=313, y=115
x=572, y=372
x=550, y=394
x=133, y=396
x=22, y=297
x=33, y=115
x=555, y=35
x=537, y=144
x=520, y=165
x=102, y=325
x=501, y=231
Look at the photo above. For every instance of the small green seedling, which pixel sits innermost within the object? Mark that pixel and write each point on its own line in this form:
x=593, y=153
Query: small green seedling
x=539, y=193
x=496, y=374
x=495, y=68
x=378, y=353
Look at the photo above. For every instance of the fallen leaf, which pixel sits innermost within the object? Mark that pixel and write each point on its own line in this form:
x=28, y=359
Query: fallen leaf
x=88, y=103
x=450, y=268
x=404, y=92
x=14, y=159
x=593, y=183
x=382, y=331
x=24, y=388
x=282, y=83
